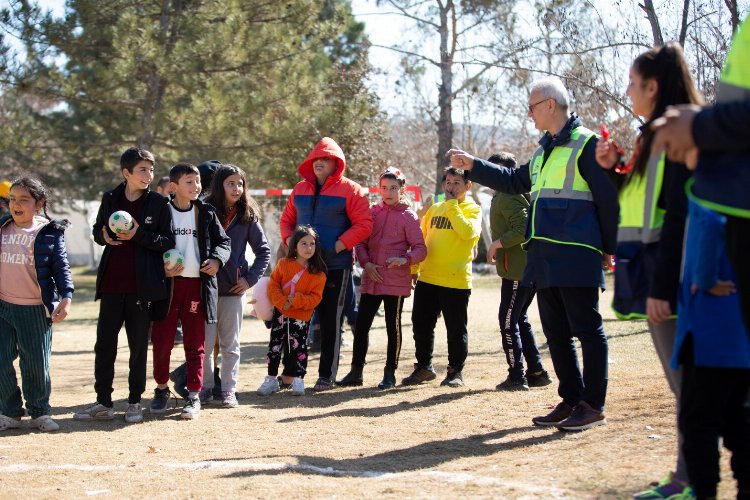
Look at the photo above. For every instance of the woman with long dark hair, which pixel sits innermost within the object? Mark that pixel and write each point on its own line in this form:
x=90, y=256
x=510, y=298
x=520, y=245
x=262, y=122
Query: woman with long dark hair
x=653, y=207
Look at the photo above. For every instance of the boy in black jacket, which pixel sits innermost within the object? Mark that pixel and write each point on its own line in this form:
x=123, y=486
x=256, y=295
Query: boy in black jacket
x=205, y=247
x=130, y=280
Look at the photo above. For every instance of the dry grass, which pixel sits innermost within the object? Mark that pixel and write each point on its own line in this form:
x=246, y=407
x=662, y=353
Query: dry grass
x=428, y=442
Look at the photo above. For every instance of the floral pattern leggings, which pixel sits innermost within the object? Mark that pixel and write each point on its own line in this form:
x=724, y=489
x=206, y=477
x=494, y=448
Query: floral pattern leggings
x=288, y=345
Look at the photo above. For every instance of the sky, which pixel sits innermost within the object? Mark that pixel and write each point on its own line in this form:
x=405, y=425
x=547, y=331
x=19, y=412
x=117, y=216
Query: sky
x=382, y=28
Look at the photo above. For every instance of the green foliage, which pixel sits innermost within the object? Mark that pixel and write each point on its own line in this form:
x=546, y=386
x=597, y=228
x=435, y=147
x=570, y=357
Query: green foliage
x=254, y=83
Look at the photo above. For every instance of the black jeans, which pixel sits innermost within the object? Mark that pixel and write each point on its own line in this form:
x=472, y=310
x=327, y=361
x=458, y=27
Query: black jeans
x=715, y=403
x=330, y=310
x=738, y=249
x=516, y=334
x=429, y=302
x=114, y=310
x=368, y=307
x=568, y=313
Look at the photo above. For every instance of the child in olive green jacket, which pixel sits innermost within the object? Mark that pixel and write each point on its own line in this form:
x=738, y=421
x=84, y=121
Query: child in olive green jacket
x=508, y=216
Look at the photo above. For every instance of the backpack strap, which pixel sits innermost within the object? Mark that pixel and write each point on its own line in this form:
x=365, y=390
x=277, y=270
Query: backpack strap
x=293, y=282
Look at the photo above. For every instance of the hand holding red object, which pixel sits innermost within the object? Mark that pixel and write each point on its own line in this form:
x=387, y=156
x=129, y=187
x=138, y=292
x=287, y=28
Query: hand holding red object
x=617, y=148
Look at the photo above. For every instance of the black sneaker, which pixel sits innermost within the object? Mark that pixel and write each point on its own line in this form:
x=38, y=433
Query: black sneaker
x=454, y=378
x=510, y=384
x=160, y=401
x=192, y=408
x=179, y=377
x=282, y=385
x=539, y=379
x=419, y=376
x=216, y=392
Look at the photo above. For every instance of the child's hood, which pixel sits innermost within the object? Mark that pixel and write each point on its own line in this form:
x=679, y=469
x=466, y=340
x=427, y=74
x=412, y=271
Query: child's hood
x=399, y=207
x=326, y=147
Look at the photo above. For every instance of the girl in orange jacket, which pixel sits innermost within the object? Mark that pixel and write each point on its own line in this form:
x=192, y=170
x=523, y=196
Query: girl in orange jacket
x=295, y=288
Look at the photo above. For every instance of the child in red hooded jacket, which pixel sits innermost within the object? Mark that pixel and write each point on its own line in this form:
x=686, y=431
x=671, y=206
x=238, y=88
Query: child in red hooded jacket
x=338, y=209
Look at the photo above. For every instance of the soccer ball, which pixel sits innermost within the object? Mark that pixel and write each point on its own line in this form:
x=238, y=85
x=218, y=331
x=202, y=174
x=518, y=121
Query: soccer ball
x=120, y=221
x=172, y=258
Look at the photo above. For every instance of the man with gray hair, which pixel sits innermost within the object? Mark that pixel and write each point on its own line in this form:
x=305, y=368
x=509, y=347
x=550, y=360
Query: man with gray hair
x=571, y=230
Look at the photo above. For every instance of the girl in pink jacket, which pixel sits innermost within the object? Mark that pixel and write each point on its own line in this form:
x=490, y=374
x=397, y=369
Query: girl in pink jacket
x=396, y=242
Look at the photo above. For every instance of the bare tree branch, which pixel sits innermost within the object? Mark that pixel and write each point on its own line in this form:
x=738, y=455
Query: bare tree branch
x=684, y=23
x=653, y=20
x=408, y=53
x=403, y=12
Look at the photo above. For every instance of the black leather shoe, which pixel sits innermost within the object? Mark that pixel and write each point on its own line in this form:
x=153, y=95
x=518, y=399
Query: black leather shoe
x=352, y=379
x=389, y=379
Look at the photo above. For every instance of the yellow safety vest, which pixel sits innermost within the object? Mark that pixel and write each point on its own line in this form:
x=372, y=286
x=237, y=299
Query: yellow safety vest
x=560, y=179
x=641, y=218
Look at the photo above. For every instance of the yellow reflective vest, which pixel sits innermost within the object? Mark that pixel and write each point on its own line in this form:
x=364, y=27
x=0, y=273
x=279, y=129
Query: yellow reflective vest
x=558, y=191
x=641, y=218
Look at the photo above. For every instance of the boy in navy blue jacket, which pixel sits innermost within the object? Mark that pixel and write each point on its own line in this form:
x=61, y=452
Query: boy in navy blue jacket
x=205, y=247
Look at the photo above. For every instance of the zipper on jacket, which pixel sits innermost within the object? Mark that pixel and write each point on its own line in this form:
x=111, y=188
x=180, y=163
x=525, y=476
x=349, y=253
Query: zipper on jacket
x=47, y=313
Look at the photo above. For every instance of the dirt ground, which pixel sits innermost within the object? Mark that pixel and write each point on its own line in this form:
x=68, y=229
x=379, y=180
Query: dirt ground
x=423, y=442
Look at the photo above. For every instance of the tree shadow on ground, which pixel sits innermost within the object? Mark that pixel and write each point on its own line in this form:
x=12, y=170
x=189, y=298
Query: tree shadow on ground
x=380, y=411
x=338, y=395
x=253, y=352
x=63, y=415
x=422, y=456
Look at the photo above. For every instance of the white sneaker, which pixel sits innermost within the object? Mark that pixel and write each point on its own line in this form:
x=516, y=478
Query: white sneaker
x=44, y=423
x=9, y=423
x=298, y=386
x=229, y=399
x=96, y=411
x=134, y=413
x=269, y=386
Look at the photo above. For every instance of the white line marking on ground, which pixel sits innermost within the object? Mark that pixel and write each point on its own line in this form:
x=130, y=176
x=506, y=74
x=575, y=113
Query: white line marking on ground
x=446, y=476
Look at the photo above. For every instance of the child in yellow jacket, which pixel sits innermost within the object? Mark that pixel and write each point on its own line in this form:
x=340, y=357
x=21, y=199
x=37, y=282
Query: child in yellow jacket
x=451, y=230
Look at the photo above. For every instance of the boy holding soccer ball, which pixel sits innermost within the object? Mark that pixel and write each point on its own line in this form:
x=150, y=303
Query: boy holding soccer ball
x=130, y=280
x=205, y=248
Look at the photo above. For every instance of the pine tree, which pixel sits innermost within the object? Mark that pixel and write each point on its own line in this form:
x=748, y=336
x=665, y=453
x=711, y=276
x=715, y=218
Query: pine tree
x=253, y=83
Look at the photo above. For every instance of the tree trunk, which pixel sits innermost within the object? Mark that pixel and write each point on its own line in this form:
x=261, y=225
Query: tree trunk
x=445, y=89
x=171, y=11
x=684, y=24
x=648, y=8
x=734, y=14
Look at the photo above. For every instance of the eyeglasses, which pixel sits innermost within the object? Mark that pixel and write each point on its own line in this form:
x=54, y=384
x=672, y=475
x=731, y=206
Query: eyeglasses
x=531, y=106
